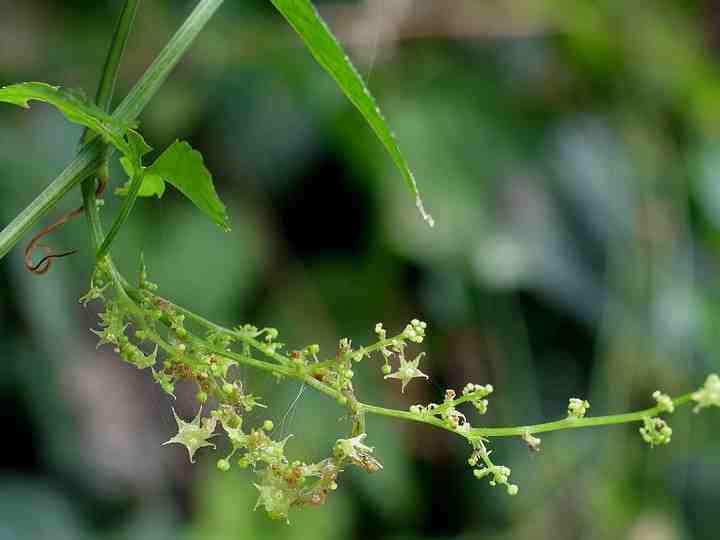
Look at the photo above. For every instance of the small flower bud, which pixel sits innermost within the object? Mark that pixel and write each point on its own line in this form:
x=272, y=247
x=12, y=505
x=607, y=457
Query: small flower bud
x=223, y=465
x=577, y=408
x=709, y=394
x=268, y=425
x=655, y=431
x=532, y=442
x=665, y=402
x=480, y=473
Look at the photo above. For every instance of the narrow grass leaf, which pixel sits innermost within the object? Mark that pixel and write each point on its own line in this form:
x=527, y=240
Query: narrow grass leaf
x=304, y=18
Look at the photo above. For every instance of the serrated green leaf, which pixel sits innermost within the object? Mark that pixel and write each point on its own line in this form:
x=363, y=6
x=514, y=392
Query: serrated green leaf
x=73, y=105
x=304, y=18
x=183, y=167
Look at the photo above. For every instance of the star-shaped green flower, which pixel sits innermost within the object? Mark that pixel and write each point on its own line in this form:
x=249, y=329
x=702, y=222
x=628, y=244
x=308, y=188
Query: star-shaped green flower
x=407, y=371
x=195, y=434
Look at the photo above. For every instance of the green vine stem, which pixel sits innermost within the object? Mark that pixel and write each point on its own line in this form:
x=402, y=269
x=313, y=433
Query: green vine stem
x=567, y=423
x=85, y=164
x=91, y=158
x=111, y=68
x=480, y=432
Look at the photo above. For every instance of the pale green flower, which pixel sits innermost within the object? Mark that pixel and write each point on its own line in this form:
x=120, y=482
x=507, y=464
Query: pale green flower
x=665, y=402
x=357, y=452
x=195, y=434
x=577, y=408
x=407, y=371
x=655, y=431
x=709, y=394
x=276, y=500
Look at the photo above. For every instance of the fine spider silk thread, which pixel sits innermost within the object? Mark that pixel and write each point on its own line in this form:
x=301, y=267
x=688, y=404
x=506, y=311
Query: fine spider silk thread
x=291, y=410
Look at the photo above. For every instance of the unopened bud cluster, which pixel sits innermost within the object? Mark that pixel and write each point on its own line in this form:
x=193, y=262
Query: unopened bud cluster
x=709, y=394
x=577, y=408
x=655, y=431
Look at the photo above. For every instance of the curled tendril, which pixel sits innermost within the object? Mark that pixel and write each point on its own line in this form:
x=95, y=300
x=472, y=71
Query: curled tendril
x=43, y=265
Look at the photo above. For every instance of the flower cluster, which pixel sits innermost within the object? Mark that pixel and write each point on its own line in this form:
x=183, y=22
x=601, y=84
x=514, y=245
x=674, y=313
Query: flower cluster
x=577, y=408
x=409, y=369
x=474, y=393
x=358, y=453
x=664, y=402
x=447, y=411
x=655, y=431
x=150, y=332
x=709, y=394
x=532, y=442
x=496, y=474
x=449, y=417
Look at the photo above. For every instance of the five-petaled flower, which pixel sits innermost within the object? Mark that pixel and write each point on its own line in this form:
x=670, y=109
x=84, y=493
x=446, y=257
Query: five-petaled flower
x=195, y=434
x=407, y=371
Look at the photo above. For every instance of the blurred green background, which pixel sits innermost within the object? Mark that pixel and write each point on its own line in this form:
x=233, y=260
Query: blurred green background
x=569, y=151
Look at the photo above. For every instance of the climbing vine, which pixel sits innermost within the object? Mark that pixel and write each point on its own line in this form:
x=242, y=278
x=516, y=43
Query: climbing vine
x=175, y=345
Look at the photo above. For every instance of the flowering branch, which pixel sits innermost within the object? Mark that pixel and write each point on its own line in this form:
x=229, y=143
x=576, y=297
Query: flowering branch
x=138, y=323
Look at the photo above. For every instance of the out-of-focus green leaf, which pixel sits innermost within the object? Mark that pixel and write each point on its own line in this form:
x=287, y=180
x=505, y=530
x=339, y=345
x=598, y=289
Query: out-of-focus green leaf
x=73, y=105
x=326, y=49
x=184, y=168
